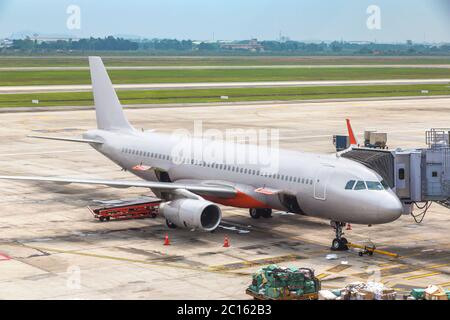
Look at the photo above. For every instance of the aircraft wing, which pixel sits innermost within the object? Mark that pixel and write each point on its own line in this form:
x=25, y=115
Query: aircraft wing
x=221, y=191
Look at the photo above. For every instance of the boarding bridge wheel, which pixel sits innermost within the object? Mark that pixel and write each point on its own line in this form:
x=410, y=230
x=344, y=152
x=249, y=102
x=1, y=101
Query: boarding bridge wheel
x=257, y=213
x=339, y=243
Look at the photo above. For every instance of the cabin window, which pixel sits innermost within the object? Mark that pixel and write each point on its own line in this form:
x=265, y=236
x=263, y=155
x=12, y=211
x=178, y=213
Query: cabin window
x=434, y=174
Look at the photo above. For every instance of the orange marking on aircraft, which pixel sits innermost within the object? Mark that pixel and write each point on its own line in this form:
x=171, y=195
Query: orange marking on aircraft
x=241, y=200
x=350, y=133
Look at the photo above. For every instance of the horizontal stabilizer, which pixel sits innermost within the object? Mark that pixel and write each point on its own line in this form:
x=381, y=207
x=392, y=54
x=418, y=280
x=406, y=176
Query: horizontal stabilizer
x=81, y=140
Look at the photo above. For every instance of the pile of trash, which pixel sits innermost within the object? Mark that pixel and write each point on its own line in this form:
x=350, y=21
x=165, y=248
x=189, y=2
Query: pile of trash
x=360, y=291
x=281, y=282
x=432, y=292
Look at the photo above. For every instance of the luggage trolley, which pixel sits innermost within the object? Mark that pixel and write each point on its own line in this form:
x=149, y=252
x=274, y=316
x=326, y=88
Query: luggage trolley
x=145, y=207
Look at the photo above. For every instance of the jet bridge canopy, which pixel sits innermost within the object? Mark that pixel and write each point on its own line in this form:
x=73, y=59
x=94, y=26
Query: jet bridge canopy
x=416, y=175
x=381, y=161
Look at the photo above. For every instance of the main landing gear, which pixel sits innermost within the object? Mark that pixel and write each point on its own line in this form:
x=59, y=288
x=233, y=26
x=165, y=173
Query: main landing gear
x=339, y=243
x=257, y=213
x=170, y=224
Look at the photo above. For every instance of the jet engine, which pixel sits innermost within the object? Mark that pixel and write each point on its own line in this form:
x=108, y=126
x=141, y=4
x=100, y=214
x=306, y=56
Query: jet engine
x=192, y=213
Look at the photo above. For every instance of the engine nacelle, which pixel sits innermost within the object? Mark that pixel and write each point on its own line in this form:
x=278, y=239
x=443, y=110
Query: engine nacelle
x=191, y=213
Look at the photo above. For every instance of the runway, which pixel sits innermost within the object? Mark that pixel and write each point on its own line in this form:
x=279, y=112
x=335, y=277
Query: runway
x=51, y=247
x=216, y=85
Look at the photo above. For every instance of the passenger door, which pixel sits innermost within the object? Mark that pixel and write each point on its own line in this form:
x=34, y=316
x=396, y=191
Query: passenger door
x=321, y=181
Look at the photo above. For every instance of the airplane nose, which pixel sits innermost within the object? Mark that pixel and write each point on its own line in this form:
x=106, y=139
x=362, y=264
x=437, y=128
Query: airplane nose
x=390, y=209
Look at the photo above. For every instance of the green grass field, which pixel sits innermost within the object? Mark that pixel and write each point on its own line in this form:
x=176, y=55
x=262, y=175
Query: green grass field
x=213, y=95
x=81, y=61
x=60, y=77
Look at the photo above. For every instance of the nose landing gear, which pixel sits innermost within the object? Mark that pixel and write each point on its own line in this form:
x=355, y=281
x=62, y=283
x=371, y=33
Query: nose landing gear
x=339, y=243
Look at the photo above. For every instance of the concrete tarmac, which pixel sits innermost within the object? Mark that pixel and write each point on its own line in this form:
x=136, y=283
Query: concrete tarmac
x=52, y=248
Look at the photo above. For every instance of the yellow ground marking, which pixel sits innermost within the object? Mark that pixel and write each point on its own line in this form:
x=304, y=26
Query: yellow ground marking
x=438, y=265
x=252, y=263
x=339, y=268
x=388, y=265
x=444, y=285
x=423, y=275
x=146, y=262
x=322, y=276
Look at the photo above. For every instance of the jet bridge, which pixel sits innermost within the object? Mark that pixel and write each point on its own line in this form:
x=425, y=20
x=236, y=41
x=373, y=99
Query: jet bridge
x=418, y=176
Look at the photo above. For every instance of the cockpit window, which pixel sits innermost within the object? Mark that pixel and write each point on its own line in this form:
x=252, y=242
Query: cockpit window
x=360, y=185
x=374, y=185
x=349, y=185
x=385, y=185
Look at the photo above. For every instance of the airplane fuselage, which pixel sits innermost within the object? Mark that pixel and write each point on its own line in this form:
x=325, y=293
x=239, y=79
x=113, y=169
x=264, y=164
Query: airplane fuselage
x=312, y=184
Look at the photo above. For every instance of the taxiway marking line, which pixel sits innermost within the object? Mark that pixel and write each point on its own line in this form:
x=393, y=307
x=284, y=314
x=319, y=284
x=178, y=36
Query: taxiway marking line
x=339, y=268
x=423, y=275
x=252, y=263
x=445, y=284
x=149, y=263
x=403, y=265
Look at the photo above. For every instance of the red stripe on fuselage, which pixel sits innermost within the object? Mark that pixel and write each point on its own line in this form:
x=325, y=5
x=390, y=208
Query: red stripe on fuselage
x=241, y=200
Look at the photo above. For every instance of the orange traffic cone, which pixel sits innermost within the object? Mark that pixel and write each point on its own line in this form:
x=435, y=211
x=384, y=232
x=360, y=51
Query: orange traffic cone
x=349, y=227
x=166, y=240
x=226, y=242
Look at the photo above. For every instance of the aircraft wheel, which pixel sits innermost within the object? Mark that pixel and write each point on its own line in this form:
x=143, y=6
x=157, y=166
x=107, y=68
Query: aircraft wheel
x=254, y=213
x=170, y=224
x=267, y=213
x=102, y=219
x=339, y=245
x=335, y=245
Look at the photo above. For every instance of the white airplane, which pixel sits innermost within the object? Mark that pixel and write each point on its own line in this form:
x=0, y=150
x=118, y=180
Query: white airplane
x=325, y=186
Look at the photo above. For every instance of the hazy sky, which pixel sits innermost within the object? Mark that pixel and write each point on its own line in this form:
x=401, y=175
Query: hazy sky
x=417, y=20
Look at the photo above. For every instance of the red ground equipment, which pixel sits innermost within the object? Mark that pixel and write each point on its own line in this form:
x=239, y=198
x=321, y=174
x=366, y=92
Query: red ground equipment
x=145, y=207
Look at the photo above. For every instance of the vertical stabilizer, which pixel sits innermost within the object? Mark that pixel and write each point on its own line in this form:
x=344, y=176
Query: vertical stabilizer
x=352, y=138
x=108, y=109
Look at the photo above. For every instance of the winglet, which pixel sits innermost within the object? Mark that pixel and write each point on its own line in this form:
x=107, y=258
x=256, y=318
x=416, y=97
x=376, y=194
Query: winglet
x=353, y=141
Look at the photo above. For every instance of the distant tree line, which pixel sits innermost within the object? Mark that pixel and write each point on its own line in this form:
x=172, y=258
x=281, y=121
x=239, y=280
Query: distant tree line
x=91, y=44
x=185, y=46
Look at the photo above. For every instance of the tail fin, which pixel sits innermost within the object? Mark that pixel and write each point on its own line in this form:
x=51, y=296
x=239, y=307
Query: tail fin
x=353, y=141
x=108, y=109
